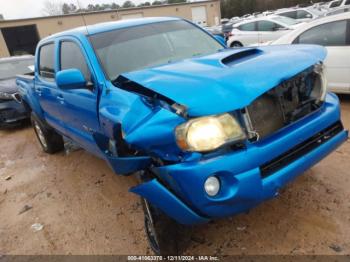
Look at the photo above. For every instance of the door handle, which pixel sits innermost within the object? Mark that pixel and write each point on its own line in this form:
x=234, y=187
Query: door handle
x=60, y=98
x=38, y=91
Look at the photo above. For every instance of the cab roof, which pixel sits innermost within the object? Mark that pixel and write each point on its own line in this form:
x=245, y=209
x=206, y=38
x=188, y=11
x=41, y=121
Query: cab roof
x=109, y=26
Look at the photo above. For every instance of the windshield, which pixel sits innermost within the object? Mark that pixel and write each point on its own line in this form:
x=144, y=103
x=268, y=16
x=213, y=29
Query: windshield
x=285, y=20
x=10, y=69
x=135, y=48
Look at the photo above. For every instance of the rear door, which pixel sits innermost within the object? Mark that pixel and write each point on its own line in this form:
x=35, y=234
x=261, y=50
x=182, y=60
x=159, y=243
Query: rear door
x=78, y=106
x=46, y=89
x=335, y=36
x=247, y=34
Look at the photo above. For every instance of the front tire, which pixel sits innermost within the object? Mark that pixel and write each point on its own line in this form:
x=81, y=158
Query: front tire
x=165, y=236
x=51, y=142
x=236, y=44
x=161, y=230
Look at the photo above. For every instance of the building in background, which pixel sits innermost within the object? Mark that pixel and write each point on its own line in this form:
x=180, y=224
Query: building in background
x=21, y=36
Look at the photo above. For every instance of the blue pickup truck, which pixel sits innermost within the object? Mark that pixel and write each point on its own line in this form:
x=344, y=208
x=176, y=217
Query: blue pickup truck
x=210, y=131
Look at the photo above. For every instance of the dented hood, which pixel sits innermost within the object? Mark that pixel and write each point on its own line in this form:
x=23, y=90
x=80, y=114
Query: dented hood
x=227, y=80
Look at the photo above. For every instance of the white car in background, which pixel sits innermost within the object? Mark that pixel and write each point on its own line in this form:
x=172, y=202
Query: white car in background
x=332, y=32
x=302, y=14
x=338, y=3
x=338, y=10
x=260, y=30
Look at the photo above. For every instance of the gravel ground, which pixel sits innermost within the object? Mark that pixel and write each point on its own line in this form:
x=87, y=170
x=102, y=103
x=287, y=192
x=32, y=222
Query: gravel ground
x=85, y=209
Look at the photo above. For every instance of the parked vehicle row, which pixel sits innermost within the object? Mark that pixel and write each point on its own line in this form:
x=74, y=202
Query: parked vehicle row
x=299, y=13
x=260, y=30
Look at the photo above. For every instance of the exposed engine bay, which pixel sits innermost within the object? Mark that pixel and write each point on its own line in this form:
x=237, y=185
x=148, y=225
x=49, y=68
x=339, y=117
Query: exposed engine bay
x=285, y=104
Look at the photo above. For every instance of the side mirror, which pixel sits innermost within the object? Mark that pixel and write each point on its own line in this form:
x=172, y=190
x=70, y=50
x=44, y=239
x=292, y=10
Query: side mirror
x=70, y=79
x=220, y=39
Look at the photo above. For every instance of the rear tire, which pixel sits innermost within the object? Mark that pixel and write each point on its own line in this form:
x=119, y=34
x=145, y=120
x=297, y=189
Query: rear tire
x=51, y=142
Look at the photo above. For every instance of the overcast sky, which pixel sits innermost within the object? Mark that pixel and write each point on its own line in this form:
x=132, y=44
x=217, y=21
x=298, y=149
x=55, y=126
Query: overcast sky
x=15, y=9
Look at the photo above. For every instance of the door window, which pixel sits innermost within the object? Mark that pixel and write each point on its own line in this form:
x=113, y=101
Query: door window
x=247, y=27
x=47, y=61
x=291, y=14
x=330, y=34
x=72, y=57
x=268, y=26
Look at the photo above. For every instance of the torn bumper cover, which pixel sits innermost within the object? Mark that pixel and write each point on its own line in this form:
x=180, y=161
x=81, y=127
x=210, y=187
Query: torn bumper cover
x=247, y=176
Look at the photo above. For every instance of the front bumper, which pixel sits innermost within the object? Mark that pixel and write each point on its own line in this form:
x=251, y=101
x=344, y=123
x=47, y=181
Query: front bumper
x=243, y=184
x=11, y=112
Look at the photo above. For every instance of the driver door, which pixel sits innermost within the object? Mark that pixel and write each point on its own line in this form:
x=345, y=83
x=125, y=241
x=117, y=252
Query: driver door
x=78, y=106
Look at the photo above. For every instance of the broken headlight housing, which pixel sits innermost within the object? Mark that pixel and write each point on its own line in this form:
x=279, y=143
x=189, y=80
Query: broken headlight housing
x=319, y=89
x=5, y=96
x=205, y=134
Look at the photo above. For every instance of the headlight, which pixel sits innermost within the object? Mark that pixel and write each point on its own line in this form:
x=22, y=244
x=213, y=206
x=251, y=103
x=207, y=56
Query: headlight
x=5, y=96
x=319, y=90
x=208, y=133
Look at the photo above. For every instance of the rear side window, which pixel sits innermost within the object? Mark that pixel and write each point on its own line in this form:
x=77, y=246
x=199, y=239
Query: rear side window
x=47, y=61
x=347, y=2
x=335, y=4
x=247, y=27
x=71, y=56
x=291, y=14
x=330, y=34
x=267, y=26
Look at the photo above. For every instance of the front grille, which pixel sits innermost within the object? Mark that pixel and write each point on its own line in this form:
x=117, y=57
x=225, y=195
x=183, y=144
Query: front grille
x=302, y=149
x=282, y=105
x=7, y=114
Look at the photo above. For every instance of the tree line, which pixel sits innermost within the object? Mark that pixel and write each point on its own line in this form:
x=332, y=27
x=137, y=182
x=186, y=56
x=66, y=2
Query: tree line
x=231, y=8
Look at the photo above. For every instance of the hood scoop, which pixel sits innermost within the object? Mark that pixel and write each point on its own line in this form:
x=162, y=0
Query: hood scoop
x=241, y=56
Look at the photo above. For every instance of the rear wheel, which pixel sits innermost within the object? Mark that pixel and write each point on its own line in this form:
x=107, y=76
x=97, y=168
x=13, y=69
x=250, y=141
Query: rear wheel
x=50, y=141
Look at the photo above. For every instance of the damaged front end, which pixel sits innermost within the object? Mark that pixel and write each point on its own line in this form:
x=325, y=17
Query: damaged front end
x=232, y=96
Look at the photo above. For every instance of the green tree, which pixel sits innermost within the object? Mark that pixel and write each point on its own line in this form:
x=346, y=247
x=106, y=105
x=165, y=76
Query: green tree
x=128, y=4
x=115, y=6
x=176, y=1
x=157, y=2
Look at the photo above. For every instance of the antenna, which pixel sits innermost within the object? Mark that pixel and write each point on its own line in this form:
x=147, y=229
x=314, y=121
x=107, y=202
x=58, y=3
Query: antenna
x=82, y=16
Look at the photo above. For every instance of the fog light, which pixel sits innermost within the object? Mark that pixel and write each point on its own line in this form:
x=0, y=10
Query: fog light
x=212, y=186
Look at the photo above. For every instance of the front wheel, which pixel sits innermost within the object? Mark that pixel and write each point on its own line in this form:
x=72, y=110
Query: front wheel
x=162, y=232
x=50, y=141
x=236, y=45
